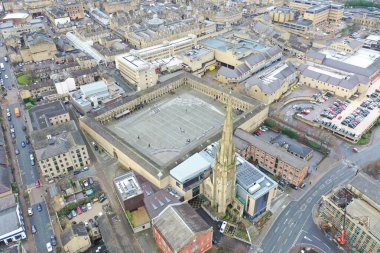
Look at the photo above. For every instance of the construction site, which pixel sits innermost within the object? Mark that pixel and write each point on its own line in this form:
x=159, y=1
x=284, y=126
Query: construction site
x=350, y=217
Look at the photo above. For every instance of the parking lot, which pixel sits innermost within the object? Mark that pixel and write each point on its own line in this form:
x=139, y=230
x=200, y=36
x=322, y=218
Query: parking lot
x=347, y=118
x=96, y=210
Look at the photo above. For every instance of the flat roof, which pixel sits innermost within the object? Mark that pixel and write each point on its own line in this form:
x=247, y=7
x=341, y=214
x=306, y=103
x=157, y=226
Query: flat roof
x=191, y=167
x=359, y=208
x=9, y=218
x=94, y=87
x=146, y=161
x=127, y=185
x=16, y=15
x=233, y=42
x=362, y=58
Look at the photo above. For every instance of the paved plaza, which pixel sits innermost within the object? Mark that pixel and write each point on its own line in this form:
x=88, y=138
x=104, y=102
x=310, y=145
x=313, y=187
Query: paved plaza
x=171, y=126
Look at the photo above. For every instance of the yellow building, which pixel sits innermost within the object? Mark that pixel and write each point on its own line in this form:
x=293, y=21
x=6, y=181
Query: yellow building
x=112, y=6
x=282, y=14
x=98, y=125
x=50, y=114
x=59, y=149
x=38, y=47
x=358, y=205
x=318, y=12
x=139, y=66
x=271, y=85
x=365, y=20
x=341, y=83
x=198, y=60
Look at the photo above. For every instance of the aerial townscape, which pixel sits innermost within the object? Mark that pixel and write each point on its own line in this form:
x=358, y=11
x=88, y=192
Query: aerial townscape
x=190, y=126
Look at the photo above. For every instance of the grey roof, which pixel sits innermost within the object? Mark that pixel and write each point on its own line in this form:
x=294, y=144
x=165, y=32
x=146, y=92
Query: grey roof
x=368, y=186
x=178, y=224
x=231, y=73
x=315, y=55
x=8, y=216
x=63, y=137
x=254, y=59
x=158, y=201
x=293, y=146
x=273, y=150
x=78, y=229
x=347, y=83
x=5, y=179
x=39, y=114
x=355, y=44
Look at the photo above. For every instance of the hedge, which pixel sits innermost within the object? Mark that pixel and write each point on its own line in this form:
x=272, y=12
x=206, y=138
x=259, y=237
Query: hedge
x=290, y=133
x=269, y=123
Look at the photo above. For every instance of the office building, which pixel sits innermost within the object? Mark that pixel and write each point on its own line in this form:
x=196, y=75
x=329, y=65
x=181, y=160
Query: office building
x=128, y=191
x=47, y=115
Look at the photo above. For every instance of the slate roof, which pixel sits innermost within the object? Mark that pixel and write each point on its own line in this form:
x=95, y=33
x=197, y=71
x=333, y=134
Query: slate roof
x=5, y=179
x=64, y=137
x=268, y=148
x=293, y=146
x=315, y=55
x=156, y=202
x=8, y=216
x=178, y=224
x=349, y=83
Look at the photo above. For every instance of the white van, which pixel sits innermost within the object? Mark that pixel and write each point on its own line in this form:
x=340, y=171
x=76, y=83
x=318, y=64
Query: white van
x=224, y=224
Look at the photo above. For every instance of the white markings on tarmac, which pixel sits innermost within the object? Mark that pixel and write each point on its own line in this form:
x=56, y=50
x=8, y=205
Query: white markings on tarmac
x=275, y=231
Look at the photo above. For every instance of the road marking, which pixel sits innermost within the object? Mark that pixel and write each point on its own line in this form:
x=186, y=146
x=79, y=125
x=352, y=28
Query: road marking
x=314, y=194
x=303, y=207
x=284, y=242
x=309, y=200
x=285, y=221
x=322, y=186
x=275, y=231
x=307, y=238
x=287, y=213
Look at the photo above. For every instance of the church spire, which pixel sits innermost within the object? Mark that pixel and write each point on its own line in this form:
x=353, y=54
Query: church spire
x=224, y=174
x=226, y=152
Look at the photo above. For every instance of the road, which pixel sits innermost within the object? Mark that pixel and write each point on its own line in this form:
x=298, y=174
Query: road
x=29, y=173
x=295, y=220
x=43, y=226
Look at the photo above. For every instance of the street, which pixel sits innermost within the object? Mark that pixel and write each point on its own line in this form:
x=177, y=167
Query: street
x=43, y=226
x=296, y=218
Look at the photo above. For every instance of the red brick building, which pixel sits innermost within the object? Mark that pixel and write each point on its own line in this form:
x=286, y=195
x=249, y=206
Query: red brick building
x=180, y=229
x=271, y=157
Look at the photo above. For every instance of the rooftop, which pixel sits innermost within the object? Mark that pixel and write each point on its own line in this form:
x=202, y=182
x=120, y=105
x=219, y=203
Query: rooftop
x=243, y=139
x=178, y=224
x=127, y=185
x=368, y=186
x=39, y=115
x=56, y=140
x=16, y=15
x=363, y=58
x=9, y=218
x=156, y=202
x=72, y=231
x=233, y=42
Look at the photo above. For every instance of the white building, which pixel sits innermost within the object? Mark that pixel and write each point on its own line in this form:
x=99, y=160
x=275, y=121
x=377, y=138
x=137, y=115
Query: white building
x=141, y=67
x=65, y=86
x=12, y=226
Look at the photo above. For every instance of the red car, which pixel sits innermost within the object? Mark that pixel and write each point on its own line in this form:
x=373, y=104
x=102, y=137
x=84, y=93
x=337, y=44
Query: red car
x=79, y=211
x=37, y=183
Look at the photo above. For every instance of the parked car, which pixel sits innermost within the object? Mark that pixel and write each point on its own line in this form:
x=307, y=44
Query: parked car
x=68, y=215
x=37, y=183
x=17, y=151
x=355, y=150
x=90, y=181
x=23, y=144
x=85, y=169
x=76, y=172
x=89, y=206
x=39, y=207
x=30, y=211
x=34, y=229
x=79, y=210
x=49, y=247
x=84, y=208
x=85, y=183
x=102, y=198
x=73, y=213
x=53, y=240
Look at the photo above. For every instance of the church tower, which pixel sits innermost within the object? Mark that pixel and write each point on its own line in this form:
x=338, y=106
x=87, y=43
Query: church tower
x=224, y=174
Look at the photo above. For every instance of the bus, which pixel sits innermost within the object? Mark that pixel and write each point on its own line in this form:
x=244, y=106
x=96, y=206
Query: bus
x=2, y=66
x=17, y=112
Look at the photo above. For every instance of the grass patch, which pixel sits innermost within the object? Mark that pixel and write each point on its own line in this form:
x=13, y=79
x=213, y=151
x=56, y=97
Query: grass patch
x=242, y=233
x=314, y=144
x=23, y=79
x=14, y=187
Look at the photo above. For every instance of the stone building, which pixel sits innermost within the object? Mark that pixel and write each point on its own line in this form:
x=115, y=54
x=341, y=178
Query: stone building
x=38, y=47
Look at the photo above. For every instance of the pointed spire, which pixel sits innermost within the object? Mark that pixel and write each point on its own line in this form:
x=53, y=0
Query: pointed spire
x=226, y=153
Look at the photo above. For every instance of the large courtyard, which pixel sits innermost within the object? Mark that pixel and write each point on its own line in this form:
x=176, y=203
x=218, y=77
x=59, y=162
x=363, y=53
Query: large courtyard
x=170, y=127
